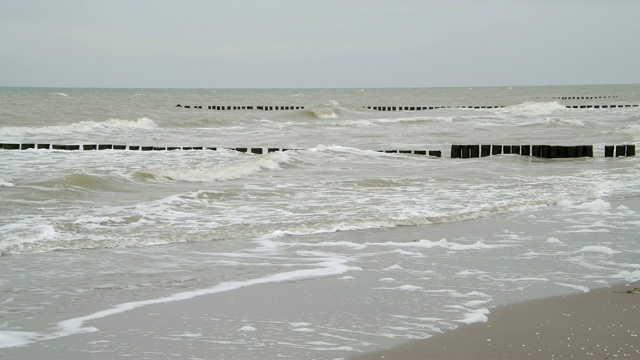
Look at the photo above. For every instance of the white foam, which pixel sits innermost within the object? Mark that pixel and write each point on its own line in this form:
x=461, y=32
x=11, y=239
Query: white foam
x=16, y=236
x=554, y=241
x=597, y=205
x=228, y=171
x=394, y=267
x=630, y=276
x=573, y=286
x=476, y=316
x=247, y=328
x=90, y=127
x=5, y=183
x=531, y=109
x=300, y=324
x=409, y=287
x=598, y=249
x=428, y=244
x=16, y=338
x=303, y=329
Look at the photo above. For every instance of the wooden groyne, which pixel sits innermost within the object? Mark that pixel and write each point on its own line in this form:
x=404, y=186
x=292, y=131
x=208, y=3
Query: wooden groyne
x=389, y=108
x=419, y=108
x=251, y=150
x=457, y=151
x=243, y=107
x=540, y=151
x=583, y=97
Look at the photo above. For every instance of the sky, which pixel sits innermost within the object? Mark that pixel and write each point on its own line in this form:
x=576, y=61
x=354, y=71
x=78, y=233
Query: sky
x=318, y=43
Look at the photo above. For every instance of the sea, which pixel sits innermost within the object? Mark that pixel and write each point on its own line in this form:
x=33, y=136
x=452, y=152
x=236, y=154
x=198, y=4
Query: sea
x=331, y=240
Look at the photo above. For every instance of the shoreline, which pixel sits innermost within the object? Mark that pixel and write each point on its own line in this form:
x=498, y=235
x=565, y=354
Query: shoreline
x=602, y=323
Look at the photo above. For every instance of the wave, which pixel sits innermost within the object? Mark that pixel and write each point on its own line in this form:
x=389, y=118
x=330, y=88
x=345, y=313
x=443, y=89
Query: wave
x=530, y=109
x=332, y=110
x=329, y=110
x=228, y=171
x=631, y=129
x=80, y=127
x=60, y=94
x=85, y=182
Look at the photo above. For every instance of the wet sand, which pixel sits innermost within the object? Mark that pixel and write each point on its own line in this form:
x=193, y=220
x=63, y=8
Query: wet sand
x=600, y=324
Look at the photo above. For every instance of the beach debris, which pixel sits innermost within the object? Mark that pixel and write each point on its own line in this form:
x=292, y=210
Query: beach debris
x=634, y=291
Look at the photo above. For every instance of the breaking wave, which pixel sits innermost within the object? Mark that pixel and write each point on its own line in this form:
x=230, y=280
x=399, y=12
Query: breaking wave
x=80, y=127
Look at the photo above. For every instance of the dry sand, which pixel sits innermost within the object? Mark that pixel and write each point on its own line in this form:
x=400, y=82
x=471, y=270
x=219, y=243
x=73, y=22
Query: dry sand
x=600, y=324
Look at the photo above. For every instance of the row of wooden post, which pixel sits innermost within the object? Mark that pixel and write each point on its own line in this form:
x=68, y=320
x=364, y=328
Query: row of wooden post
x=254, y=150
x=583, y=97
x=243, y=107
x=457, y=151
x=541, y=151
x=393, y=108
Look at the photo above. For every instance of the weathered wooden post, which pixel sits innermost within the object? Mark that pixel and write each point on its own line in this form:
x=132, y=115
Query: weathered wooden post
x=474, y=151
x=485, y=150
x=465, y=151
x=608, y=151
x=456, y=151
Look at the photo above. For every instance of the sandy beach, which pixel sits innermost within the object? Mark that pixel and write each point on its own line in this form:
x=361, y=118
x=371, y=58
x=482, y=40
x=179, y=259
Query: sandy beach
x=600, y=324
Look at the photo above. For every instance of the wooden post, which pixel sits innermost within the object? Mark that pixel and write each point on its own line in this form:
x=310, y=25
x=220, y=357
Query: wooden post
x=485, y=150
x=608, y=151
x=465, y=151
x=474, y=151
x=456, y=151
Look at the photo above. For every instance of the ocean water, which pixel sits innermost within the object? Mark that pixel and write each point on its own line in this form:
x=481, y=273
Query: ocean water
x=328, y=250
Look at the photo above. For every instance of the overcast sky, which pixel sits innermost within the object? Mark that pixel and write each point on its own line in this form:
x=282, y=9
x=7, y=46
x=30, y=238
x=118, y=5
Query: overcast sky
x=318, y=43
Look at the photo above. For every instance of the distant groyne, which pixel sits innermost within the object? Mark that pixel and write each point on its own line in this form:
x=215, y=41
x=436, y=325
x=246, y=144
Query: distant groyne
x=457, y=151
x=389, y=107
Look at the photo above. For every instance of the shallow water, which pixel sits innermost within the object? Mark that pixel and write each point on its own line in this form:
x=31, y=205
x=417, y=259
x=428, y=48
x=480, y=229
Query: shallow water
x=429, y=242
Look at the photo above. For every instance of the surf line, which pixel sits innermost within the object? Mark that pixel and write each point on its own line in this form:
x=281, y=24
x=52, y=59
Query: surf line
x=328, y=266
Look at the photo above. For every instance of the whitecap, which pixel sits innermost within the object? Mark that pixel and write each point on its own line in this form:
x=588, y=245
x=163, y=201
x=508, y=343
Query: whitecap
x=90, y=127
x=553, y=241
x=229, y=171
x=247, y=328
x=394, y=267
x=5, y=183
x=409, y=287
x=531, y=109
x=598, y=249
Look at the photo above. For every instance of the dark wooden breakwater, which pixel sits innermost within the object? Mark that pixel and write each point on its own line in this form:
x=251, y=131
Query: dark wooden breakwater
x=457, y=151
x=251, y=150
x=541, y=151
x=242, y=107
x=388, y=108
